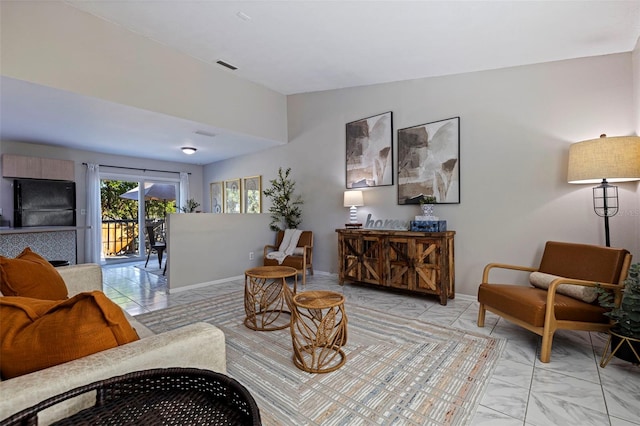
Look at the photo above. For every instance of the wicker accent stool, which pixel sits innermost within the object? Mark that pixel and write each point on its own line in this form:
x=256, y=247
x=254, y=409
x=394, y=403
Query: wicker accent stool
x=176, y=396
x=265, y=294
x=318, y=330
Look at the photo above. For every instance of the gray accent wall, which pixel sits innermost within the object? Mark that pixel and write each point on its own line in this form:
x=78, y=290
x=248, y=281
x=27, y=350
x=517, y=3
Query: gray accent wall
x=516, y=128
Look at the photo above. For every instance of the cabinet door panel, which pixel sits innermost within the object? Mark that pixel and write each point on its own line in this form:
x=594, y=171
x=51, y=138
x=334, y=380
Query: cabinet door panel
x=351, y=255
x=427, y=265
x=400, y=263
x=372, y=249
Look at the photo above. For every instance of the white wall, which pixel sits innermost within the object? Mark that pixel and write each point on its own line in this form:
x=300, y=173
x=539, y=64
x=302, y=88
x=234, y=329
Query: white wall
x=636, y=85
x=53, y=44
x=206, y=248
x=79, y=157
x=516, y=128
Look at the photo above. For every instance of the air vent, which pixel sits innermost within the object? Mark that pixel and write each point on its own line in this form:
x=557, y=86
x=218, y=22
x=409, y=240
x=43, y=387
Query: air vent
x=226, y=65
x=205, y=133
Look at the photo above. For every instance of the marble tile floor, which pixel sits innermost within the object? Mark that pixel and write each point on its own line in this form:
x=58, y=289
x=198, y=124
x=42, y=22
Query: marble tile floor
x=570, y=390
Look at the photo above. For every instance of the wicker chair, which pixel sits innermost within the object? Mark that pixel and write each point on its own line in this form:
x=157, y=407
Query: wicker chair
x=544, y=311
x=159, y=396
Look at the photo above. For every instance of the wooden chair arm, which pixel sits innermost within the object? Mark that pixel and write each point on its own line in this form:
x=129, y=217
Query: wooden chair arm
x=268, y=248
x=558, y=281
x=553, y=287
x=490, y=266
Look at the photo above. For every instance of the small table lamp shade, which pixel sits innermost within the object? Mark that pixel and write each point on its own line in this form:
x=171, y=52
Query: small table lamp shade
x=353, y=199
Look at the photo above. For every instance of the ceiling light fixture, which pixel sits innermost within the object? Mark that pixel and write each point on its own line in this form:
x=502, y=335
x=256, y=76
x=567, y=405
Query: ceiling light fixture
x=188, y=150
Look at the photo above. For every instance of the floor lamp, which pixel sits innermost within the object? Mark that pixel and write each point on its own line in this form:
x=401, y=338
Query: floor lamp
x=605, y=160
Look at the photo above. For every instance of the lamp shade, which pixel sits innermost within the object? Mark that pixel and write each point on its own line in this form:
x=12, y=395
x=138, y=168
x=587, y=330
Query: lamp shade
x=353, y=198
x=616, y=159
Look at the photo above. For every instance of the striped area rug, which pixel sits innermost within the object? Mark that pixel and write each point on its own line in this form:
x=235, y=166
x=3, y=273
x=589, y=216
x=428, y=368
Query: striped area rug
x=399, y=371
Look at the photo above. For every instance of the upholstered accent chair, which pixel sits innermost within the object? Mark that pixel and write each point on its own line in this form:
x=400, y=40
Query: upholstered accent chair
x=302, y=257
x=570, y=272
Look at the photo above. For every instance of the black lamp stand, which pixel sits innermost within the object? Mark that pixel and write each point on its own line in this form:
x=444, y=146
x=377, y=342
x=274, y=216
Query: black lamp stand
x=605, y=204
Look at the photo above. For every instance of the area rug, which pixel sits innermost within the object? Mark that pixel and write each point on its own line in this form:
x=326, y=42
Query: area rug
x=399, y=371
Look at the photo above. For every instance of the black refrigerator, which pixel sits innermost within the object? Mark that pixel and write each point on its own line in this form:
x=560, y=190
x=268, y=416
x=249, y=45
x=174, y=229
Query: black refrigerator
x=39, y=202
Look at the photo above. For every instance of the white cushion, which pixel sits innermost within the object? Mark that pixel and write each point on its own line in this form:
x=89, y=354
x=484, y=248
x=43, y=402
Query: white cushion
x=542, y=280
x=298, y=251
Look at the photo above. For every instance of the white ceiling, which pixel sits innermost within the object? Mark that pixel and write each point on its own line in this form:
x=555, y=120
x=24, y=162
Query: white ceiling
x=304, y=46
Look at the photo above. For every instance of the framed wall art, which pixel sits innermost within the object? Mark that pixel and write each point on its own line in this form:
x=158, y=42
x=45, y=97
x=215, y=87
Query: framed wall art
x=370, y=151
x=217, y=197
x=252, y=194
x=429, y=162
x=232, y=199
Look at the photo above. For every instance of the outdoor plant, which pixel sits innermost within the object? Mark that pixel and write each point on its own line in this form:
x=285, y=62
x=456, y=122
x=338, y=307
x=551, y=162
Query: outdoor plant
x=285, y=205
x=627, y=315
x=191, y=206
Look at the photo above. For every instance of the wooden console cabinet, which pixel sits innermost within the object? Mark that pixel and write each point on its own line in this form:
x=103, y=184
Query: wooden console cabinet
x=420, y=262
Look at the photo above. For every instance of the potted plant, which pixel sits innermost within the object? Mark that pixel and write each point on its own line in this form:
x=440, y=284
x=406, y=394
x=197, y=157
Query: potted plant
x=191, y=206
x=626, y=316
x=426, y=204
x=285, y=205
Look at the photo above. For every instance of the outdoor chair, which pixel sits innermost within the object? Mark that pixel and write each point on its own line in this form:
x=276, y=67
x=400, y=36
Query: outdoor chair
x=565, y=268
x=158, y=247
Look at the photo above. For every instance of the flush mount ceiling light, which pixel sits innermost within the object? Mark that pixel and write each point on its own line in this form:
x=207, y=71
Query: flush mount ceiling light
x=188, y=150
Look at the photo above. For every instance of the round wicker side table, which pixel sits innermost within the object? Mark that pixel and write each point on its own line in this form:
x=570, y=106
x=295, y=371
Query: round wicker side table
x=265, y=297
x=318, y=330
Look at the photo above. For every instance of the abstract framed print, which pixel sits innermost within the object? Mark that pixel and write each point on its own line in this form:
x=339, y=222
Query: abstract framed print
x=429, y=162
x=217, y=197
x=252, y=194
x=369, y=143
x=232, y=198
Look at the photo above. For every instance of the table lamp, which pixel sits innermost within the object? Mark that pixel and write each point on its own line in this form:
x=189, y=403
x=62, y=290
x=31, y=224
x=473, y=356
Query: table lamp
x=353, y=199
x=605, y=160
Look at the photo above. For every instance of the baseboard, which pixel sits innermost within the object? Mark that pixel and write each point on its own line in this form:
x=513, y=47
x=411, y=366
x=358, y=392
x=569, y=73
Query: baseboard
x=204, y=284
x=225, y=280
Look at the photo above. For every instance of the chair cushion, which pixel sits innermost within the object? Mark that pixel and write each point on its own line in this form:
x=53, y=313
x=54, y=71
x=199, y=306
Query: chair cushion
x=583, y=261
x=542, y=280
x=37, y=333
x=31, y=275
x=528, y=304
x=291, y=261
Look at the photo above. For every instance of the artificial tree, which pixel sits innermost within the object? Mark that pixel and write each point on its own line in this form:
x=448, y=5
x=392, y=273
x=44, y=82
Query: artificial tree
x=285, y=205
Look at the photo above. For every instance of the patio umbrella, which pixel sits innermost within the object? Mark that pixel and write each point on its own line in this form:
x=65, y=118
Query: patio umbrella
x=153, y=191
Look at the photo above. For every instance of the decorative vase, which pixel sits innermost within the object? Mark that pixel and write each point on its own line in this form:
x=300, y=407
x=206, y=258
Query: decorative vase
x=427, y=209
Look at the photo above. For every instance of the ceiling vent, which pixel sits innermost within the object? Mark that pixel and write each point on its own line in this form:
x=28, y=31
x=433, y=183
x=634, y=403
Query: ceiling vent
x=205, y=133
x=226, y=65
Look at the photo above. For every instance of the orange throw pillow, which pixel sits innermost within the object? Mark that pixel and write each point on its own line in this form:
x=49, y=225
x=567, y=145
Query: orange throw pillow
x=31, y=275
x=37, y=334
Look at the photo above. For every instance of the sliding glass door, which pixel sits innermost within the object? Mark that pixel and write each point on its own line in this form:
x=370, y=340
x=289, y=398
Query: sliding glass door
x=125, y=217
